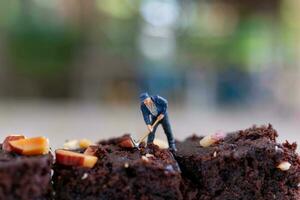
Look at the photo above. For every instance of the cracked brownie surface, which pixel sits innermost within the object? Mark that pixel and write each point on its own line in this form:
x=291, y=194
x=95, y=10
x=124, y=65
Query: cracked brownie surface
x=149, y=173
x=244, y=165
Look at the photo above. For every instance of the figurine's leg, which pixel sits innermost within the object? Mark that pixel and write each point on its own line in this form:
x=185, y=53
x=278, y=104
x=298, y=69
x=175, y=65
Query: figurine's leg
x=151, y=136
x=168, y=131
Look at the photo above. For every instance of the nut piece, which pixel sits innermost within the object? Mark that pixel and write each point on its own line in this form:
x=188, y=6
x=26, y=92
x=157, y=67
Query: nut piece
x=284, y=166
x=148, y=155
x=85, y=143
x=6, y=146
x=126, y=165
x=84, y=176
x=161, y=143
x=126, y=143
x=207, y=141
x=211, y=139
x=71, y=145
x=144, y=158
x=91, y=150
x=70, y=158
x=76, y=144
x=30, y=146
x=215, y=154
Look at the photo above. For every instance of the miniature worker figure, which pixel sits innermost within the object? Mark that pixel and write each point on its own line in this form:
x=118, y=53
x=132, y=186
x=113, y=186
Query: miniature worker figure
x=155, y=108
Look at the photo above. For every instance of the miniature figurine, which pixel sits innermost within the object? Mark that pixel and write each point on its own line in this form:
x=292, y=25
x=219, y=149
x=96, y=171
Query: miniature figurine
x=154, y=110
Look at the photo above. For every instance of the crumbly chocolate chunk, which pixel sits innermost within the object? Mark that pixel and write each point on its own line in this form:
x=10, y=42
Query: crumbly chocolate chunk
x=25, y=177
x=244, y=165
x=121, y=173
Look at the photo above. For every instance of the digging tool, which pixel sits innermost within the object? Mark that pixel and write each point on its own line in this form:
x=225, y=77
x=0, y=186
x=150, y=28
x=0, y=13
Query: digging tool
x=137, y=143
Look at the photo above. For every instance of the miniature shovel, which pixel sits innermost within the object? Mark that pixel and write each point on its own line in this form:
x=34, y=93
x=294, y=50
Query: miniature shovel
x=135, y=143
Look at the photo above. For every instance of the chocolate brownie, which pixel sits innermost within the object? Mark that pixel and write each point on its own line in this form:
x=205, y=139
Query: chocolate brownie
x=244, y=165
x=148, y=173
x=25, y=177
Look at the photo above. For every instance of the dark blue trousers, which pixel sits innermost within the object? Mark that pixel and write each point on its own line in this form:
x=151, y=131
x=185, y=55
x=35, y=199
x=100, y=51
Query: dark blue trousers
x=167, y=129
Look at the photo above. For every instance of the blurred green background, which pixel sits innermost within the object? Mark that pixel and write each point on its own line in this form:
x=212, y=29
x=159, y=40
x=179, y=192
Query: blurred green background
x=222, y=64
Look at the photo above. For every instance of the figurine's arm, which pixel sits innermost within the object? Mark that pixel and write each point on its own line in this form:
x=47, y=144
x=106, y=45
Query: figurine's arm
x=164, y=104
x=145, y=115
x=146, y=118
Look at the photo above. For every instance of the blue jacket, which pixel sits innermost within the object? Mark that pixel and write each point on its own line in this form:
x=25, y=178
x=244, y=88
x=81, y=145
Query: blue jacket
x=161, y=105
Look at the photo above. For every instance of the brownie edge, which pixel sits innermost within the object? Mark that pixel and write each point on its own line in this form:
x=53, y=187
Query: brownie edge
x=244, y=165
x=25, y=177
x=149, y=173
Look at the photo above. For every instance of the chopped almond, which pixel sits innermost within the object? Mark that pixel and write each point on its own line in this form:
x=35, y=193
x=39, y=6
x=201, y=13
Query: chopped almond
x=30, y=146
x=6, y=146
x=70, y=158
x=284, y=166
x=144, y=158
x=211, y=139
x=207, y=141
x=91, y=150
x=71, y=144
x=85, y=143
x=126, y=143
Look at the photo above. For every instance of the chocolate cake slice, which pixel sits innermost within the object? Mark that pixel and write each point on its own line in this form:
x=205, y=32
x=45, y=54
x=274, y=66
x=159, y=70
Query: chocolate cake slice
x=121, y=172
x=244, y=165
x=24, y=177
